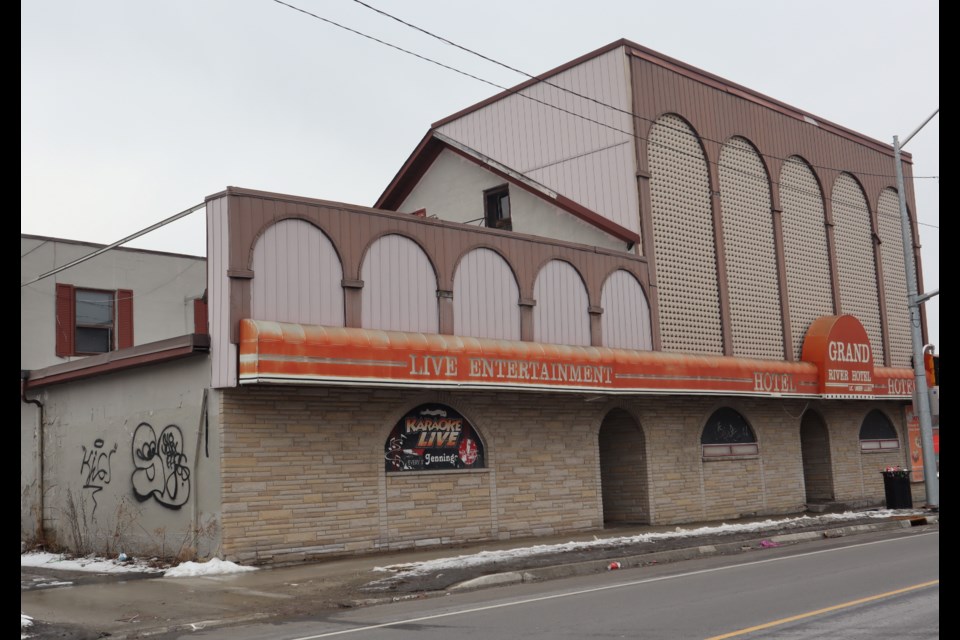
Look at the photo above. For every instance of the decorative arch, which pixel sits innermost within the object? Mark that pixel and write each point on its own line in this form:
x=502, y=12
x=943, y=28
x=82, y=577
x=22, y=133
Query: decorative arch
x=877, y=433
x=285, y=217
x=297, y=276
x=806, y=252
x=433, y=436
x=683, y=238
x=856, y=262
x=894, y=277
x=399, y=287
x=625, y=323
x=727, y=433
x=816, y=458
x=561, y=314
x=485, y=297
x=756, y=321
x=623, y=469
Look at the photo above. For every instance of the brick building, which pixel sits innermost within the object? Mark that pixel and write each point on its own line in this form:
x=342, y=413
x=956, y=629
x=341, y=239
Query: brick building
x=671, y=299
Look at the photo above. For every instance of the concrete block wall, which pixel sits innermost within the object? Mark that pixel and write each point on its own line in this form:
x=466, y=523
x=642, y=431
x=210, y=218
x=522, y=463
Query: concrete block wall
x=129, y=464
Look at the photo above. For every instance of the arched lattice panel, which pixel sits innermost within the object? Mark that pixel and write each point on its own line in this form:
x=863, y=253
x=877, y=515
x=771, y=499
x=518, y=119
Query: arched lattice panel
x=756, y=321
x=485, y=297
x=561, y=315
x=399, y=287
x=894, y=278
x=857, y=267
x=625, y=323
x=296, y=276
x=683, y=239
x=809, y=287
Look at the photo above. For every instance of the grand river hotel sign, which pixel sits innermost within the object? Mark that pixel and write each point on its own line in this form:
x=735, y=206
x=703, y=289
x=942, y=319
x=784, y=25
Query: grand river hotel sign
x=837, y=362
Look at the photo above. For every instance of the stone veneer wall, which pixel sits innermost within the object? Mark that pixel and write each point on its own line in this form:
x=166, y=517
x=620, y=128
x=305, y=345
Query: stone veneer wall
x=303, y=473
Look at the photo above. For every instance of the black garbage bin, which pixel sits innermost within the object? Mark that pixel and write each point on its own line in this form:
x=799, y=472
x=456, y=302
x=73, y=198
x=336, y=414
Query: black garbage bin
x=896, y=488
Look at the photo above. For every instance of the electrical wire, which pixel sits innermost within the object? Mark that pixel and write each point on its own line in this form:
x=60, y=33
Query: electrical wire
x=573, y=92
x=630, y=134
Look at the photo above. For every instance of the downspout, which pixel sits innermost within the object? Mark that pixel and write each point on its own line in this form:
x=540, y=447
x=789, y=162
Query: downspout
x=202, y=426
x=24, y=376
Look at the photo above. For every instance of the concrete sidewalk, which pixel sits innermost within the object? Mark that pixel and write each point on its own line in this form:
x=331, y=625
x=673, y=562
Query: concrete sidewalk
x=135, y=605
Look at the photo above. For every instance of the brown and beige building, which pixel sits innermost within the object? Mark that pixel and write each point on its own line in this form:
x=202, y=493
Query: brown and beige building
x=629, y=291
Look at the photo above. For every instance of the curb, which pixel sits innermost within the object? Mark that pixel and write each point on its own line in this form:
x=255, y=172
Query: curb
x=676, y=555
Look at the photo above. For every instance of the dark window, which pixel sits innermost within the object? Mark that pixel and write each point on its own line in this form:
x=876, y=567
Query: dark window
x=94, y=318
x=433, y=437
x=496, y=208
x=727, y=433
x=90, y=321
x=877, y=433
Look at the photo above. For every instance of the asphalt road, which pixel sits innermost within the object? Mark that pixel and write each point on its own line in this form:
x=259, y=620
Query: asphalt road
x=871, y=587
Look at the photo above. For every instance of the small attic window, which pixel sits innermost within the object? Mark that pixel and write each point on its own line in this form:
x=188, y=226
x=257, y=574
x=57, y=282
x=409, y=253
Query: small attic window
x=496, y=207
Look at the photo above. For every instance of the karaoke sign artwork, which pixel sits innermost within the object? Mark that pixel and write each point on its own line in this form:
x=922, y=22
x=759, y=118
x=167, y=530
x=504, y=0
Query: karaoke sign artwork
x=433, y=437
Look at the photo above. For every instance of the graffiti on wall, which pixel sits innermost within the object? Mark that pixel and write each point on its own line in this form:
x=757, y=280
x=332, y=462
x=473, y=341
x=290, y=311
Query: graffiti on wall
x=160, y=466
x=95, y=468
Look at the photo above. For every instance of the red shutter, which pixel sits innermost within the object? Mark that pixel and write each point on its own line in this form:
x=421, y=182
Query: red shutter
x=66, y=321
x=124, y=318
x=199, y=316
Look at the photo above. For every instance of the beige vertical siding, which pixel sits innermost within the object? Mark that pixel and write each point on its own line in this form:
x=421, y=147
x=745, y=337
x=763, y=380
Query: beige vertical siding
x=222, y=351
x=809, y=289
x=683, y=239
x=297, y=276
x=589, y=159
x=894, y=278
x=625, y=323
x=399, y=287
x=561, y=313
x=485, y=297
x=755, y=317
x=857, y=267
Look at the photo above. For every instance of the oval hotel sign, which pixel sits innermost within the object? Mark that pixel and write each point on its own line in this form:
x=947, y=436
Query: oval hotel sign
x=840, y=348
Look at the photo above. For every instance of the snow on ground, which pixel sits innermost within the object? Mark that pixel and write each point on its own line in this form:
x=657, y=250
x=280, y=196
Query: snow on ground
x=25, y=623
x=489, y=557
x=89, y=563
x=212, y=567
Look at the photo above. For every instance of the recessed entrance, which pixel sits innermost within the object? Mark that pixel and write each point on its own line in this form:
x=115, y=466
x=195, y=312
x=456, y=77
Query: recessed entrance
x=623, y=470
x=815, y=451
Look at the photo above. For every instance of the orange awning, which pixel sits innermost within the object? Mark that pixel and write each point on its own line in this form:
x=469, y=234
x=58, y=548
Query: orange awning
x=281, y=353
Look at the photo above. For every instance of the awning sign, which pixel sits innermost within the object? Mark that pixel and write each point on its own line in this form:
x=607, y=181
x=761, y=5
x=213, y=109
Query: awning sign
x=282, y=353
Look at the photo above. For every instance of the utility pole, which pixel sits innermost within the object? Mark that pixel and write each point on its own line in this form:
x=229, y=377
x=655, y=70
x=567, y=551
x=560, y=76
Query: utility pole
x=914, y=300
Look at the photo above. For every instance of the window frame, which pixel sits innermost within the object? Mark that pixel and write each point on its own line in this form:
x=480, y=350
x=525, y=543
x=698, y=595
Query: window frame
x=492, y=208
x=66, y=325
x=878, y=445
x=728, y=450
x=112, y=327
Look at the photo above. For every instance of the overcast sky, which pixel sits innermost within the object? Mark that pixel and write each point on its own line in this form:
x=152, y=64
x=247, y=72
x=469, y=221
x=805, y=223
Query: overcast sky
x=132, y=111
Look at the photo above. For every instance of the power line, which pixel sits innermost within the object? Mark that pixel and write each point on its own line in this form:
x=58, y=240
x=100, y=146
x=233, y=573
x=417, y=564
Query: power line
x=568, y=90
x=519, y=93
x=116, y=244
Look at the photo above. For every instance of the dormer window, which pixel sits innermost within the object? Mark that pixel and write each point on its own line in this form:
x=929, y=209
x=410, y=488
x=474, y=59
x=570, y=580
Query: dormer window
x=496, y=207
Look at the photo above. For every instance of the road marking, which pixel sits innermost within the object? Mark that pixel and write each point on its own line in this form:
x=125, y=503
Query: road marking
x=810, y=614
x=580, y=592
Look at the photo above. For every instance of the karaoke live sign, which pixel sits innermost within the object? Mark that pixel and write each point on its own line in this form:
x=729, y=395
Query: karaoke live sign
x=433, y=437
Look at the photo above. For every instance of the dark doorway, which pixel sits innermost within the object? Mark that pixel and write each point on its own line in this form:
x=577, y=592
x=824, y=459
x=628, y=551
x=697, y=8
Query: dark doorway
x=623, y=470
x=815, y=450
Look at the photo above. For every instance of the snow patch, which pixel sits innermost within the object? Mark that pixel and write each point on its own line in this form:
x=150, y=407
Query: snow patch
x=482, y=558
x=93, y=564
x=212, y=567
x=25, y=623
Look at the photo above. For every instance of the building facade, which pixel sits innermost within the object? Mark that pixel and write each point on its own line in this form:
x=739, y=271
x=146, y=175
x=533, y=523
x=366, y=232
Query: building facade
x=671, y=299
